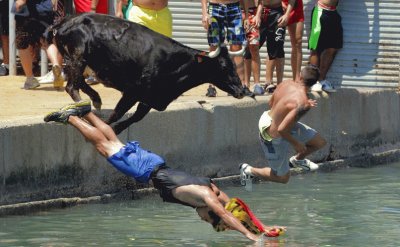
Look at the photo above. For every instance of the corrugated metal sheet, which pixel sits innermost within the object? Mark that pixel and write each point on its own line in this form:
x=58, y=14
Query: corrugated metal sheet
x=371, y=53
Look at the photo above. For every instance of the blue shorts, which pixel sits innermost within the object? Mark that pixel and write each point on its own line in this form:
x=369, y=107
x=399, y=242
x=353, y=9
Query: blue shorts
x=136, y=162
x=277, y=150
x=227, y=16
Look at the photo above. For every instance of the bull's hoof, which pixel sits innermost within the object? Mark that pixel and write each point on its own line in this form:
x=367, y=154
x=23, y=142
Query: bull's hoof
x=97, y=105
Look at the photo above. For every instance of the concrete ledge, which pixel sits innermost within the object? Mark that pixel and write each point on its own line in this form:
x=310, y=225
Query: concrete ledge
x=40, y=161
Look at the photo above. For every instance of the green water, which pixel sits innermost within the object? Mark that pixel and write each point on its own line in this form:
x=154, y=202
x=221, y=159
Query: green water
x=349, y=207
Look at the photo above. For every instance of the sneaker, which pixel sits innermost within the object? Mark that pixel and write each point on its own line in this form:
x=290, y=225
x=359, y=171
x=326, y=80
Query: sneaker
x=31, y=83
x=270, y=88
x=211, y=91
x=244, y=177
x=3, y=70
x=79, y=109
x=327, y=86
x=317, y=87
x=58, y=80
x=92, y=80
x=247, y=92
x=258, y=89
x=304, y=164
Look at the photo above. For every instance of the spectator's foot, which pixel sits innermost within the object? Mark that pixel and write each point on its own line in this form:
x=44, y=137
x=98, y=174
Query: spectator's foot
x=58, y=79
x=258, y=89
x=31, y=83
x=211, y=91
x=304, y=164
x=247, y=92
x=270, y=87
x=317, y=87
x=327, y=86
x=79, y=109
x=3, y=69
x=245, y=176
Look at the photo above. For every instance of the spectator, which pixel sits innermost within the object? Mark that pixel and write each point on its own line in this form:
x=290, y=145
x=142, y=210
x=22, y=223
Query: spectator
x=272, y=31
x=295, y=28
x=153, y=14
x=32, y=19
x=4, y=67
x=95, y=6
x=122, y=9
x=326, y=38
x=218, y=16
x=252, y=25
x=279, y=128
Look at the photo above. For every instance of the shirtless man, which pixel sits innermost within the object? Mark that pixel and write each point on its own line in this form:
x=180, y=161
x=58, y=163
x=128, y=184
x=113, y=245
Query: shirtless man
x=279, y=128
x=272, y=30
x=153, y=14
x=224, y=18
x=326, y=38
x=144, y=166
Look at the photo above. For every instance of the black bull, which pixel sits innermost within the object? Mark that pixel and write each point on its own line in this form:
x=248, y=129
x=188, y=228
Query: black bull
x=145, y=66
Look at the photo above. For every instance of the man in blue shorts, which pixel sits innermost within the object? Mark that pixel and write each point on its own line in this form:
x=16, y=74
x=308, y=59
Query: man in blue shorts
x=144, y=166
x=224, y=18
x=280, y=128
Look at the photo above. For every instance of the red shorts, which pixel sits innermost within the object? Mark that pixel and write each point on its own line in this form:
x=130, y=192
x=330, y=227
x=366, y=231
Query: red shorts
x=297, y=14
x=84, y=6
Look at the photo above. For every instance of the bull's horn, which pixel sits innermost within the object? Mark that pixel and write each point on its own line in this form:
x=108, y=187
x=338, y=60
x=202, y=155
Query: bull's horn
x=213, y=54
x=237, y=53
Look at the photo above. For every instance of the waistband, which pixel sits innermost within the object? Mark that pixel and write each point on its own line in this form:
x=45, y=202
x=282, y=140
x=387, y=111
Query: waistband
x=157, y=169
x=225, y=5
x=323, y=6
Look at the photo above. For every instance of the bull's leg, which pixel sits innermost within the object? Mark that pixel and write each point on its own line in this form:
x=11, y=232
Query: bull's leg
x=139, y=114
x=94, y=96
x=124, y=104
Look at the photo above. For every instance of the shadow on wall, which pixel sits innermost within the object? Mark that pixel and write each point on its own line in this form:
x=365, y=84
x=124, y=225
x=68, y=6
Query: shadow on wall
x=357, y=61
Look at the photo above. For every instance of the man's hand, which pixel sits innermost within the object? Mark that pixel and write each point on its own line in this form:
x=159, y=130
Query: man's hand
x=283, y=20
x=19, y=4
x=312, y=102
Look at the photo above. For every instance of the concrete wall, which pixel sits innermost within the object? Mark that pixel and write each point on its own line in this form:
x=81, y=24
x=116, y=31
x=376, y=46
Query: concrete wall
x=42, y=161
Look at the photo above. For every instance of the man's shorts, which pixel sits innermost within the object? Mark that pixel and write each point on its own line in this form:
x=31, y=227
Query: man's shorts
x=229, y=17
x=297, y=14
x=157, y=20
x=4, y=15
x=270, y=32
x=253, y=32
x=29, y=30
x=136, y=162
x=326, y=30
x=277, y=150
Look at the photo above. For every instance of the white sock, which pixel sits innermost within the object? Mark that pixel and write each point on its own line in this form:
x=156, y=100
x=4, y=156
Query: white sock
x=247, y=170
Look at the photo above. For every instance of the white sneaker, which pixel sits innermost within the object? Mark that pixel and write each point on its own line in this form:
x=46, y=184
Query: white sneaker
x=245, y=178
x=304, y=164
x=317, y=87
x=327, y=86
x=49, y=78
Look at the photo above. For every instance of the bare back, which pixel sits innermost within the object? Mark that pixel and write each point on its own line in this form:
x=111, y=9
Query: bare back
x=151, y=4
x=288, y=104
x=272, y=3
x=329, y=3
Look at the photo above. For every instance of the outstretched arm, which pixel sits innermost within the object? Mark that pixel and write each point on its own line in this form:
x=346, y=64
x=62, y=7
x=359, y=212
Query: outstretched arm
x=213, y=203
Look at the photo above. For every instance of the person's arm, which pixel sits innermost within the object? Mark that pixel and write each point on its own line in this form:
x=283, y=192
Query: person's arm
x=93, y=6
x=19, y=4
x=205, y=20
x=284, y=19
x=259, y=4
x=213, y=203
x=287, y=124
x=118, y=9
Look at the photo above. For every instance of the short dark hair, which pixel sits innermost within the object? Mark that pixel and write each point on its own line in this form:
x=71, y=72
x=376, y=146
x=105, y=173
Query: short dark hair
x=310, y=75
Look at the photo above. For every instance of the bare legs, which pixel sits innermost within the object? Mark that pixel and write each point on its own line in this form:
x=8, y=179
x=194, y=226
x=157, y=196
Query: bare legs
x=98, y=133
x=323, y=60
x=296, y=36
x=278, y=64
x=252, y=65
x=5, y=46
x=239, y=63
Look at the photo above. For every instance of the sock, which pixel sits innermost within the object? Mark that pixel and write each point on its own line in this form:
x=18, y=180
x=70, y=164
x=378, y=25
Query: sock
x=248, y=170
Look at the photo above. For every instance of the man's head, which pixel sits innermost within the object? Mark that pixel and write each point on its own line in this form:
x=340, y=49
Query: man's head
x=309, y=75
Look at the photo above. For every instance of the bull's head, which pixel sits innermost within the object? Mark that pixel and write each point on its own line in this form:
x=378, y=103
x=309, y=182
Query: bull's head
x=222, y=72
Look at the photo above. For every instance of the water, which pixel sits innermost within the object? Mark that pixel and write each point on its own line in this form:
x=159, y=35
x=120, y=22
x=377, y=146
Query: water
x=349, y=207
